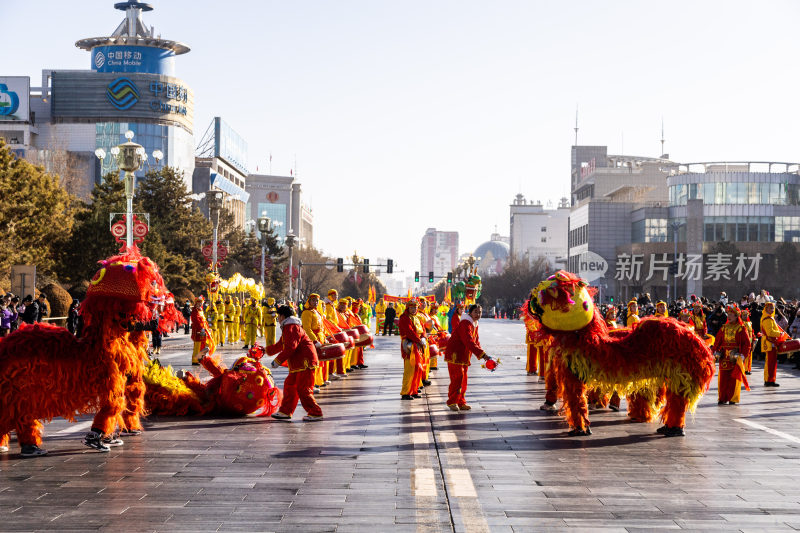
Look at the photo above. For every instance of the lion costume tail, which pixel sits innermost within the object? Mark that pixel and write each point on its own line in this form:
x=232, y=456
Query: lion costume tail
x=168, y=395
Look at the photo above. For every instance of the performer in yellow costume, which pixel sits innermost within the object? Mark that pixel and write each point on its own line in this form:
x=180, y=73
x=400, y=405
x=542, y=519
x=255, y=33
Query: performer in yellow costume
x=771, y=336
x=343, y=364
x=252, y=318
x=220, y=323
x=237, y=320
x=268, y=315
x=230, y=313
x=380, y=315
x=661, y=309
x=312, y=324
x=211, y=318
x=633, y=313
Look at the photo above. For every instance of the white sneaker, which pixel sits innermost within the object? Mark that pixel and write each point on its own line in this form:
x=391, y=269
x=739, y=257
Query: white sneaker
x=3, y=449
x=335, y=377
x=312, y=418
x=113, y=441
x=547, y=407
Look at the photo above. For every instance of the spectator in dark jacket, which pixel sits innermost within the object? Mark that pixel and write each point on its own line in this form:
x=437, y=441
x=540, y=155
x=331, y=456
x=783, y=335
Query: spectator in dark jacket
x=72, y=317
x=44, y=312
x=388, y=323
x=186, y=311
x=31, y=313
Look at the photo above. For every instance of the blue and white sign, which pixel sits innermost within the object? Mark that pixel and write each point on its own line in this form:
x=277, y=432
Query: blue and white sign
x=146, y=59
x=14, y=98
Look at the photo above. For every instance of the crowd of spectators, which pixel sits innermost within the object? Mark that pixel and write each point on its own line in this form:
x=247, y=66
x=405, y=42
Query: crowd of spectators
x=786, y=313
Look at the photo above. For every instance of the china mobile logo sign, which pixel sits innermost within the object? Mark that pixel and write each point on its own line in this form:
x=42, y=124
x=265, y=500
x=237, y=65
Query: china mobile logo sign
x=689, y=267
x=122, y=93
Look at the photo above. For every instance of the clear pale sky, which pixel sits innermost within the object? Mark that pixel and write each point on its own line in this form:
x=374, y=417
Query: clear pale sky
x=412, y=114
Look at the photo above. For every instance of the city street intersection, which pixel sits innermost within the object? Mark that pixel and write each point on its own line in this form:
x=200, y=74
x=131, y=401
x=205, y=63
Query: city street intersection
x=377, y=463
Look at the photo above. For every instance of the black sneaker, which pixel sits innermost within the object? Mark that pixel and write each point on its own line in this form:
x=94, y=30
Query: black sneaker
x=662, y=430
x=281, y=416
x=406, y=397
x=31, y=450
x=426, y=382
x=416, y=396
x=94, y=440
x=674, y=432
x=362, y=367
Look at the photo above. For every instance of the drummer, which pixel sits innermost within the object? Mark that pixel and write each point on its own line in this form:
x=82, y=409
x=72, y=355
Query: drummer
x=313, y=326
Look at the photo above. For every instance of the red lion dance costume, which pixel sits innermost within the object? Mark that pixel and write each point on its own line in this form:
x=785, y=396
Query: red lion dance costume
x=243, y=389
x=655, y=353
x=45, y=372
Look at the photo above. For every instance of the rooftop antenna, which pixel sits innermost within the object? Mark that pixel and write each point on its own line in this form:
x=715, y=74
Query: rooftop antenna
x=576, y=124
x=662, y=137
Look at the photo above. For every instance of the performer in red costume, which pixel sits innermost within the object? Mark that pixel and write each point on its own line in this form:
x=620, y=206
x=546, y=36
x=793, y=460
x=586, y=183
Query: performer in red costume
x=462, y=344
x=732, y=345
x=201, y=333
x=298, y=352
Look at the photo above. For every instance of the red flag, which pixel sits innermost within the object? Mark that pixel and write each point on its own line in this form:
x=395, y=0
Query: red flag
x=738, y=373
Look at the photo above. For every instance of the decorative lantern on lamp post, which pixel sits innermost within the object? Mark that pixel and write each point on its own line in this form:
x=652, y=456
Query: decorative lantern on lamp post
x=129, y=157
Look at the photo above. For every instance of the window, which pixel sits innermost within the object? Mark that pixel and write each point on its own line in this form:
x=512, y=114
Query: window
x=637, y=231
x=544, y=239
x=544, y=228
x=787, y=229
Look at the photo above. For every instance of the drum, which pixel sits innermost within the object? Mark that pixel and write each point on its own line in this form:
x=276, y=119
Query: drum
x=433, y=350
x=362, y=329
x=342, y=337
x=364, y=340
x=792, y=345
x=331, y=352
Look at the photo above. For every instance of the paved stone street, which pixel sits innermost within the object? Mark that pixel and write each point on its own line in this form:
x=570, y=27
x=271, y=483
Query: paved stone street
x=380, y=464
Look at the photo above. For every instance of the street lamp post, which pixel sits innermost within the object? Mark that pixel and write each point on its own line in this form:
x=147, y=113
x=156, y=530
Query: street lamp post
x=290, y=240
x=214, y=199
x=263, y=228
x=130, y=157
x=675, y=226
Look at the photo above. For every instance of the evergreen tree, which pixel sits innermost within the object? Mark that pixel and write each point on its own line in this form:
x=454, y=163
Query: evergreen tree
x=91, y=239
x=36, y=215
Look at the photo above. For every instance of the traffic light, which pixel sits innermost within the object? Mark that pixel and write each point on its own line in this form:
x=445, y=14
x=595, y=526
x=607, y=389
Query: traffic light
x=416, y=277
x=430, y=277
x=366, y=266
x=340, y=265
x=389, y=266
x=673, y=268
x=449, y=277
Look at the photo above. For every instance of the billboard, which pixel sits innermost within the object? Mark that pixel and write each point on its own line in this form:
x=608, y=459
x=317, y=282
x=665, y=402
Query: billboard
x=143, y=59
x=134, y=97
x=229, y=145
x=15, y=94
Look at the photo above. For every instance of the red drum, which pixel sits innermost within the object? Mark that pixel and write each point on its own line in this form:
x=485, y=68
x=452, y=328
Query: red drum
x=362, y=329
x=331, y=352
x=342, y=337
x=792, y=345
x=353, y=333
x=433, y=350
x=364, y=340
